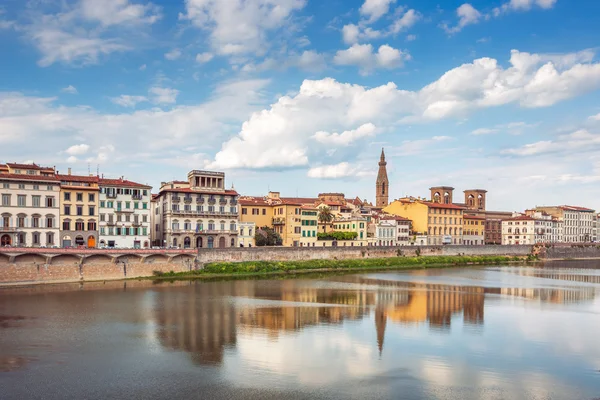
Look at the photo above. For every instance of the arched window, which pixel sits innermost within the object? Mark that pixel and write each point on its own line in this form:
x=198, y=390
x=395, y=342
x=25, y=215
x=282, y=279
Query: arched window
x=187, y=243
x=174, y=242
x=446, y=198
x=383, y=188
x=211, y=241
x=49, y=239
x=187, y=225
x=222, y=226
x=211, y=225
x=232, y=242
x=471, y=200
x=436, y=197
x=524, y=230
x=175, y=226
x=509, y=230
x=199, y=226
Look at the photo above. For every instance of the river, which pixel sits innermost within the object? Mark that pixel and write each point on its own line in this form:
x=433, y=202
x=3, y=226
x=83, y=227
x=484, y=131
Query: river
x=515, y=332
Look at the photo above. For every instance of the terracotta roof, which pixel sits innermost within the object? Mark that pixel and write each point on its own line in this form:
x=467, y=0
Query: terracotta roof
x=333, y=203
x=78, y=178
x=309, y=207
x=253, y=201
x=395, y=217
x=440, y=205
x=466, y=216
x=188, y=190
x=26, y=177
x=574, y=208
x=300, y=200
x=520, y=218
x=121, y=182
x=154, y=197
x=29, y=166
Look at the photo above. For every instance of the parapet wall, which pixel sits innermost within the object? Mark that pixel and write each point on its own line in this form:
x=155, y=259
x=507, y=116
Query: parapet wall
x=31, y=266
x=571, y=251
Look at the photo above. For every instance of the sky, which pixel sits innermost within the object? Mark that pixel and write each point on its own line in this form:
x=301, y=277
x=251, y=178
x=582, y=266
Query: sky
x=299, y=96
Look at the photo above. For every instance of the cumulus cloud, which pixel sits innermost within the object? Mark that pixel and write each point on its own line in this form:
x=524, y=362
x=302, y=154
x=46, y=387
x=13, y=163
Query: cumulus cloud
x=173, y=54
x=161, y=95
x=362, y=55
x=523, y=5
x=467, y=15
x=69, y=89
x=239, y=27
x=347, y=137
x=116, y=12
x=77, y=149
x=125, y=100
x=337, y=171
x=204, y=57
x=375, y=9
x=405, y=22
x=352, y=33
x=289, y=125
x=579, y=141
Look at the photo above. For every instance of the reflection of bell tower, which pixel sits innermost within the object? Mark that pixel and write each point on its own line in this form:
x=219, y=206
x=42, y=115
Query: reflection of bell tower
x=475, y=199
x=442, y=194
x=382, y=184
x=380, y=322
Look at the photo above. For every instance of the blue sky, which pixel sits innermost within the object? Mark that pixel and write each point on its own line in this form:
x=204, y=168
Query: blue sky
x=300, y=95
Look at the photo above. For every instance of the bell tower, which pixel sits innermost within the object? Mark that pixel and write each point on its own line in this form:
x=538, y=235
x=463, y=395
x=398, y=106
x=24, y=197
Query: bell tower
x=475, y=199
x=382, y=185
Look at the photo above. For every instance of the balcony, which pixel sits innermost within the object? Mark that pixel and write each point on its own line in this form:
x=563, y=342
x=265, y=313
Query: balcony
x=111, y=195
x=278, y=221
x=110, y=223
x=233, y=203
x=175, y=198
x=212, y=202
x=202, y=232
x=223, y=202
x=136, y=196
x=8, y=228
x=124, y=210
x=204, y=213
x=200, y=200
x=187, y=199
x=136, y=223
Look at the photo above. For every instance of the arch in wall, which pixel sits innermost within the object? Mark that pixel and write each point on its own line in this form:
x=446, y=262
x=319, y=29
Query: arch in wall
x=222, y=242
x=66, y=241
x=211, y=242
x=187, y=242
x=65, y=259
x=156, y=258
x=91, y=241
x=4, y=258
x=129, y=258
x=5, y=240
x=30, y=258
x=182, y=257
x=199, y=242
x=97, y=259
x=79, y=241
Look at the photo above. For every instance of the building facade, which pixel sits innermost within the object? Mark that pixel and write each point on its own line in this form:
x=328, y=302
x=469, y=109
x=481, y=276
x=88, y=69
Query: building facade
x=78, y=210
x=518, y=230
x=124, y=214
x=29, y=206
x=473, y=230
x=577, y=222
x=386, y=231
x=246, y=235
x=197, y=213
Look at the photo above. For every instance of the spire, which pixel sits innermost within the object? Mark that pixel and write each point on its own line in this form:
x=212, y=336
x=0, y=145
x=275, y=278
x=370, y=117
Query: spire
x=382, y=158
x=382, y=183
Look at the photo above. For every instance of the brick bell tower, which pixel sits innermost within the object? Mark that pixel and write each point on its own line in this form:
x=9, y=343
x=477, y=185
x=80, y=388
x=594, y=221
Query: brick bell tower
x=382, y=184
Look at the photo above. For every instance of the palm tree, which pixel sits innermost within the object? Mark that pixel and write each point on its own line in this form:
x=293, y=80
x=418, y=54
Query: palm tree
x=325, y=215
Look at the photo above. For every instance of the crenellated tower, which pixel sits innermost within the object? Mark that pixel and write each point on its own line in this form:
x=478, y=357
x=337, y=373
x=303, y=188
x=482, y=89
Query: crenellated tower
x=382, y=184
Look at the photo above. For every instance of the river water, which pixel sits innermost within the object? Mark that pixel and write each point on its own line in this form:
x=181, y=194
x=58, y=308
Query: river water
x=464, y=333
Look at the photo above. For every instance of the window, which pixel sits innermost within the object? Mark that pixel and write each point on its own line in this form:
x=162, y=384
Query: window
x=66, y=225
x=35, y=222
x=145, y=206
x=91, y=226
x=6, y=199
x=297, y=229
x=127, y=204
x=49, y=202
x=35, y=200
x=79, y=226
x=136, y=205
x=49, y=238
x=49, y=187
x=119, y=205
x=79, y=196
x=21, y=222
x=36, y=238
x=92, y=210
x=49, y=222
x=79, y=210
x=102, y=217
x=67, y=210
x=222, y=226
x=21, y=186
x=21, y=200
x=264, y=211
x=67, y=196
x=91, y=197
x=144, y=218
x=119, y=218
x=110, y=204
x=6, y=186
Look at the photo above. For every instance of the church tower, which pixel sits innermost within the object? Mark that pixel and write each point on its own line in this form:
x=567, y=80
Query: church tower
x=382, y=184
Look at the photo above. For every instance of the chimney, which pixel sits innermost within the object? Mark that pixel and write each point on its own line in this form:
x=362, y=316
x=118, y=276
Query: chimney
x=69, y=170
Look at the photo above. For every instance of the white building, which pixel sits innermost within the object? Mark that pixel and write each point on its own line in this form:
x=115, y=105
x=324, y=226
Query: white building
x=386, y=231
x=402, y=229
x=518, y=230
x=197, y=213
x=578, y=222
x=124, y=214
x=246, y=235
x=548, y=229
x=29, y=206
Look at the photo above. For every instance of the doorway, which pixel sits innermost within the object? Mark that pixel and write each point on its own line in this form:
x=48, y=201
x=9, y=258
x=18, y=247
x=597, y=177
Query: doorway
x=5, y=240
x=91, y=242
x=221, y=242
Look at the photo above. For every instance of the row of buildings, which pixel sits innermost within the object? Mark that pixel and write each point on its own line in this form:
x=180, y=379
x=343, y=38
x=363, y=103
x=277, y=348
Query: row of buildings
x=42, y=207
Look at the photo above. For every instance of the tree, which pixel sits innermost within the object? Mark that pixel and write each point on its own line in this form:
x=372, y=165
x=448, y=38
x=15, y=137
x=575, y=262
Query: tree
x=325, y=215
x=266, y=236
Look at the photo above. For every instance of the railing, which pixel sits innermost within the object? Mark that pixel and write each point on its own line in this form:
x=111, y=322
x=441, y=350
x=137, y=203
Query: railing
x=278, y=221
x=111, y=195
x=204, y=213
x=222, y=202
x=187, y=199
x=199, y=200
x=212, y=202
x=124, y=210
x=136, y=196
x=175, y=198
x=110, y=222
x=8, y=228
x=203, y=232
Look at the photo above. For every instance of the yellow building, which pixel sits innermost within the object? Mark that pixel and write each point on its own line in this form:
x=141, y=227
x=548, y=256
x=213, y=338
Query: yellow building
x=256, y=210
x=78, y=210
x=354, y=224
x=473, y=229
x=309, y=222
x=441, y=222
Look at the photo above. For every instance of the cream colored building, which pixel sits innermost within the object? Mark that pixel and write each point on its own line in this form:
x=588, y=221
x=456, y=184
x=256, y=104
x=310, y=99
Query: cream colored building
x=197, y=213
x=29, y=206
x=78, y=210
x=246, y=235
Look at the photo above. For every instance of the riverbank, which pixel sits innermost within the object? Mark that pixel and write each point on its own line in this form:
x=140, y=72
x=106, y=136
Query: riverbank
x=264, y=268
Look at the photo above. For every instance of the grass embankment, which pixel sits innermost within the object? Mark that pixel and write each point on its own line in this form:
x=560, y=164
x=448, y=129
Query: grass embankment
x=285, y=267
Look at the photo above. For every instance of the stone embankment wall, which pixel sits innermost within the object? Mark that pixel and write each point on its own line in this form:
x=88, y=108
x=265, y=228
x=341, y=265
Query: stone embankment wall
x=570, y=251
x=30, y=266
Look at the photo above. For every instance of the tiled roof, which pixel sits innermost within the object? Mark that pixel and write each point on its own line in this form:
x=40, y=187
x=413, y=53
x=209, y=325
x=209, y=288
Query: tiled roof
x=26, y=177
x=300, y=200
x=29, y=166
x=253, y=201
x=466, y=216
x=395, y=217
x=189, y=190
x=575, y=208
x=520, y=218
x=441, y=205
x=122, y=183
x=78, y=178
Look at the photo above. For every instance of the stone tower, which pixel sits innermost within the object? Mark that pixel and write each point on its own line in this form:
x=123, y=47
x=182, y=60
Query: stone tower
x=475, y=199
x=442, y=194
x=382, y=184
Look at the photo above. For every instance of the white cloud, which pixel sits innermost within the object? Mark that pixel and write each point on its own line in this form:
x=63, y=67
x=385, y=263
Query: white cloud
x=523, y=5
x=336, y=171
x=161, y=95
x=240, y=27
x=173, y=54
x=595, y=117
x=125, y=100
x=77, y=149
x=350, y=33
x=375, y=9
x=327, y=105
x=72, y=159
x=483, y=131
x=79, y=34
x=347, y=137
x=142, y=67
x=115, y=12
x=204, y=57
x=405, y=22
x=576, y=142
x=309, y=60
x=362, y=56
x=410, y=38
x=69, y=89
x=467, y=15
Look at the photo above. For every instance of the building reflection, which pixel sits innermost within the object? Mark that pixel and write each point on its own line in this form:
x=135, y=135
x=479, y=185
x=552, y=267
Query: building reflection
x=204, y=319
